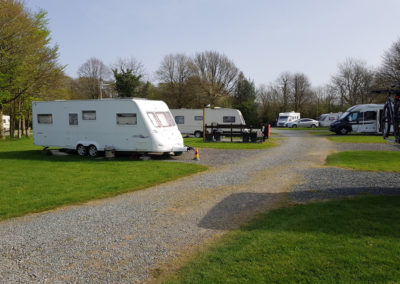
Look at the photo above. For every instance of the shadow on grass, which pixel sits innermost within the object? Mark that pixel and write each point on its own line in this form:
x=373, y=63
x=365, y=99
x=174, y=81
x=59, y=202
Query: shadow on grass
x=344, y=217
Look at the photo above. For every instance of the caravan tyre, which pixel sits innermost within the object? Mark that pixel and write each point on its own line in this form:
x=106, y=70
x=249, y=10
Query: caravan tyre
x=82, y=151
x=198, y=134
x=92, y=151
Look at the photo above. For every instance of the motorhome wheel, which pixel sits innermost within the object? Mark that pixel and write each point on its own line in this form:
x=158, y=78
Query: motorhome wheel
x=294, y=126
x=197, y=134
x=178, y=153
x=313, y=126
x=343, y=131
x=81, y=150
x=92, y=151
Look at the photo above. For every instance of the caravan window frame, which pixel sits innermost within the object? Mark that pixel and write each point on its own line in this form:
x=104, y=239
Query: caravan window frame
x=161, y=119
x=86, y=114
x=120, y=118
x=73, y=119
x=228, y=119
x=198, y=117
x=45, y=115
x=180, y=119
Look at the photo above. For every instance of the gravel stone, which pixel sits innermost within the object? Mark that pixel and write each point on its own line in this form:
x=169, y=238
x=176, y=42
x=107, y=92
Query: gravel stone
x=124, y=238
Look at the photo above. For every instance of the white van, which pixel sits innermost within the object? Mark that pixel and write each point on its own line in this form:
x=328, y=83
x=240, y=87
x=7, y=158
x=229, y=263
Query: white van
x=359, y=118
x=326, y=119
x=6, y=122
x=190, y=121
x=90, y=126
x=285, y=117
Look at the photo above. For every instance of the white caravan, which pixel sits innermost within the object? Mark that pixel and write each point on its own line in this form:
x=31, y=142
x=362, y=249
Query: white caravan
x=6, y=122
x=285, y=117
x=359, y=118
x=326, y=119
x=190, y=121
x=90, y=126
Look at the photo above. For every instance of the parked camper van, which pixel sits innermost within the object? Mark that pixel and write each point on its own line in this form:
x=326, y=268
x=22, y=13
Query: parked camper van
x=326, y=119
x=6, y=122
x=190, y=121
x=90, y=126
x=359, y=118
x=285, y=117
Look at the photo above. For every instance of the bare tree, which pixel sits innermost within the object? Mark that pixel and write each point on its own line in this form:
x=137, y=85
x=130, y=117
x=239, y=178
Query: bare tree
x=389, y=73
x=269, y=99
x=353, y=82
x=301, y=91
x=283, y=84
x=91, y=74
x=216, y=74
x=174, y=73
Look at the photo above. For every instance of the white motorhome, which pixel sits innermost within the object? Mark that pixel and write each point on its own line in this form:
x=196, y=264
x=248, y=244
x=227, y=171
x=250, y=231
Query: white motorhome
x=90, y=126
x=190, y=121
x=326, y=119
x=6, y=122
x=285, y=117
x=359, y=118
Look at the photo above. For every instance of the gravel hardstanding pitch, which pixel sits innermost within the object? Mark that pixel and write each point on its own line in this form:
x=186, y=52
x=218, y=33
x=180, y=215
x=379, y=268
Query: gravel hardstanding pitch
x=123, y=239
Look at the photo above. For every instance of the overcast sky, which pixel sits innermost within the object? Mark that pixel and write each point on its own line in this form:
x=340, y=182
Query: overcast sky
x=263, y=38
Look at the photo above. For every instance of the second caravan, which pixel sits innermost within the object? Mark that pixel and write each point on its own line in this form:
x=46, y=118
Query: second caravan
x=190, y=121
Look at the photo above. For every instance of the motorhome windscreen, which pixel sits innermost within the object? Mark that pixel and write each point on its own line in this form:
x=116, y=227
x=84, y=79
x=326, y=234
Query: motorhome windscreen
x=283, y=117
x=161, y=119
x=344, y=115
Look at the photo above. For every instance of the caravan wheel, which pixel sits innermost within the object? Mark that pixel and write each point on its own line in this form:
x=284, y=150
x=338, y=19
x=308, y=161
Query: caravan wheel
x=92, y=151
x=198, y=134
x=81, y=150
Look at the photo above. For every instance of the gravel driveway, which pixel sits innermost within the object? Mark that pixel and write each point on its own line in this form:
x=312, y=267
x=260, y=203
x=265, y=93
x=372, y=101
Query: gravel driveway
x=126, y=238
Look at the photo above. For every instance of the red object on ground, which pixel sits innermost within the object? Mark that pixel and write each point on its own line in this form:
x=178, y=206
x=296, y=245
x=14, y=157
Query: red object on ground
x=269, y=130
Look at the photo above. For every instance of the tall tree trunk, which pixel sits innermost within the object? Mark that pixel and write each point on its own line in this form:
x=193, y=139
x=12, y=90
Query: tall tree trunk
x=23, y=124
x=12, y=119
x=28, y=123
x=2, y=134
x=19, y=119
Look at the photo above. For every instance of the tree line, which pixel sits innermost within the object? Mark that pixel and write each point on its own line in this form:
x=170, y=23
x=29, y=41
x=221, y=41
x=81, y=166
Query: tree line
x=29, y=70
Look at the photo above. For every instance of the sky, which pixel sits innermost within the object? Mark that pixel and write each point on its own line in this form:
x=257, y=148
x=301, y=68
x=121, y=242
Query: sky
x=262, y=38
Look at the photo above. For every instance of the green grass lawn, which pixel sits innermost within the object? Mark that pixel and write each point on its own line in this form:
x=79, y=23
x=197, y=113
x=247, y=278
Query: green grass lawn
x=31, y=181
x=198, y=143
x=357, y=138
x=388, y=161
x=346, y=241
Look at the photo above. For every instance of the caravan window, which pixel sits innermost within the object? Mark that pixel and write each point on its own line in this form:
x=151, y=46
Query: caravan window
x=228, y=119
x=161, y=119
x=180, y=119
x=89, y=115
x=45, y=118
x=126, y=119
x=73, y=119
x=198, y=117
x=369, y=115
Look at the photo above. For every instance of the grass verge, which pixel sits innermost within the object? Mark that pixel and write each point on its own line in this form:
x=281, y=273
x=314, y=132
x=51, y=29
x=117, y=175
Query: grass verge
x=345, y=241
x=198, y=143
x=387, y=161
x=357, y=138
x=32, y=182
